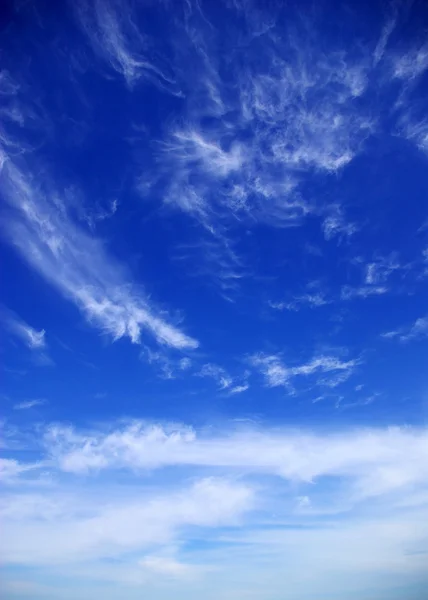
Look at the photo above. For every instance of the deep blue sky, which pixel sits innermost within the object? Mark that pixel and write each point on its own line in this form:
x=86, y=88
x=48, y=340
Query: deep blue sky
x=214, y=242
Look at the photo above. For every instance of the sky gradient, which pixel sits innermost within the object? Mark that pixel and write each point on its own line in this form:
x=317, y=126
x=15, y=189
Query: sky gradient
x=214, y=321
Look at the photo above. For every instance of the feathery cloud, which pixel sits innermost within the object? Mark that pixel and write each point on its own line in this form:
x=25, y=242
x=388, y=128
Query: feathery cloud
x=312, y=300
x=379, y=271
x=419, y=329
x=217, y=373
x=28, y=404
x=111, y=30
x=364, y=291
x=41, y=229
x=32, y=338
x=276, y=373
x=411, y=64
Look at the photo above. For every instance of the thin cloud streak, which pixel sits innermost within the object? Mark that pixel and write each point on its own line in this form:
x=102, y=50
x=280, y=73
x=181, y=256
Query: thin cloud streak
x=418, y=330
x=31, y=337
x=28, y=404
x=40, y=228
x=276, y=373
x=111, y=30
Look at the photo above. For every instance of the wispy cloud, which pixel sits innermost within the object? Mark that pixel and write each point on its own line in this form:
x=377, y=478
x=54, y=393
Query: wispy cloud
x=224, y=381
x=217, y=373
x=298, y=302
x=412, y=63
x=278, y=112
x=416, y=131
x=40, y=228
x=336, y=225
x=91, y=217
x=386, y=32
x=419, y=329
x=28, y=404
x=112, y=31
x=379, y=271
x=260, y=179
x=364, y=291
x=32, y=338
x=238, y=389
x=272, y=369
x=276, y=373
x=11, y=469
x=375, y=277
x=167, y=365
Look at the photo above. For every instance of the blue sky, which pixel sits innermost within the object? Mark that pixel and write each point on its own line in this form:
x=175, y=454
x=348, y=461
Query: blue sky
x=214, y=239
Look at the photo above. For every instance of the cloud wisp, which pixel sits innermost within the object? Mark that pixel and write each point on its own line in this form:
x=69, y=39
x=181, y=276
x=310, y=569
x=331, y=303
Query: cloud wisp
x=40, y=227
x=289, y=121
x=418, y=330
x=32, y=338
x=223, y=379
x=311, y=300
x=276, y=373
x=111, y=30
x=27, y=404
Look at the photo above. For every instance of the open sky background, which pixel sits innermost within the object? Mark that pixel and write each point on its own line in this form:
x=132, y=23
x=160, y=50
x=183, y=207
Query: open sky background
x=214, y=320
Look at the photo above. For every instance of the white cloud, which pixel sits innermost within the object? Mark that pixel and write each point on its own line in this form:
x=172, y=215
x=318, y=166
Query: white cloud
x=272, y=368
x=28, y=404
x=370, y=457
x=419, y=329
x=94, y=215
x=224, y=381
x=185, y=363
x=112, y=31
x=191, y=148
x=85, y=528
x=387, y=30
x=243, y=152
x=364, y=291
x=416, y=131
x=34, y=339
x=312, y=300
x=260, y=179
x=276, y=373
x=367, y=455
x=40, y=228
x=412, y=64
x=335, y=225
x=378, y=272
x=325, y=493
x=220, y=376
x=238, y=389
x=164, y=566
x=11, y=469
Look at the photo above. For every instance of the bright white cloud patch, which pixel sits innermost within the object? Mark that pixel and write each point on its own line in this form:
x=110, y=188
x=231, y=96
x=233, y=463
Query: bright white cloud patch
x=372, y=474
